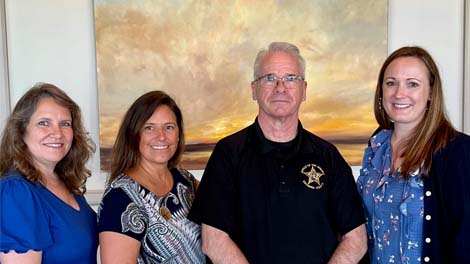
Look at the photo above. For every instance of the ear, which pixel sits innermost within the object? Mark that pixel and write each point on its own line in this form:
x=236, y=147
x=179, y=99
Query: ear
x=253, y=90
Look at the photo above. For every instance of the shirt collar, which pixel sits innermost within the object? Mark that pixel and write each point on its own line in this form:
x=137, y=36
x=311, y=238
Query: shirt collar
x=264, y=146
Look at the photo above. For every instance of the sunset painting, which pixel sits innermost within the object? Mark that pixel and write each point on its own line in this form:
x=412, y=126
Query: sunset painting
x=202, y=53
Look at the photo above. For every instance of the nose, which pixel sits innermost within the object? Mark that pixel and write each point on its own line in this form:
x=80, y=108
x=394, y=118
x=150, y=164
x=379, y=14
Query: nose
x=160, y=134
x=56, y=132
x=280, y=87
x=400, y=91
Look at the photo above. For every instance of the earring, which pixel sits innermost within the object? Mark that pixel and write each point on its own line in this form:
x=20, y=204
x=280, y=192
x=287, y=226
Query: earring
x=380, y=103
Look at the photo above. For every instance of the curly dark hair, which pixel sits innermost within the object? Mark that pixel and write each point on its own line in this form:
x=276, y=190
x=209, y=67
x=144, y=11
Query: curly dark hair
x=14, y=153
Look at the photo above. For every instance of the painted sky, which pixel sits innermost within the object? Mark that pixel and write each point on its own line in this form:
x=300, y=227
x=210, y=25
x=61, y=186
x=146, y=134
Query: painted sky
x=202, y=54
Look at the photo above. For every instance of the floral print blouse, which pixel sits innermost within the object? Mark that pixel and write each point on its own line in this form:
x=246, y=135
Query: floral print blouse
x=393, y=205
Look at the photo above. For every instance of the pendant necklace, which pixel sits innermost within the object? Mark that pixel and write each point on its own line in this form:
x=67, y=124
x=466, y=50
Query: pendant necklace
x=165, y=213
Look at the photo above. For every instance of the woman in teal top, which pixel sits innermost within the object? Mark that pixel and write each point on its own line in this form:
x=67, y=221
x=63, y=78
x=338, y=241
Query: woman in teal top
x=43, y=215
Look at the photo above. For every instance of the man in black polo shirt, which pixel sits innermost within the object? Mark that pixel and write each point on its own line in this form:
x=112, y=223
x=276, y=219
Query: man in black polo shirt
x=274, y=192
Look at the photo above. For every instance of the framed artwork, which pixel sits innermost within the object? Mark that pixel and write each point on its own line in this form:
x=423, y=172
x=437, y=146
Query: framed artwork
x=202, y=53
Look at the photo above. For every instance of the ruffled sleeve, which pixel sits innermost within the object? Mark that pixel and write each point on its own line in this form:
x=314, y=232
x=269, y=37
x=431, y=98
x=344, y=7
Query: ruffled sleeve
x=24, y=224
x=364, y=171
x=374, y=157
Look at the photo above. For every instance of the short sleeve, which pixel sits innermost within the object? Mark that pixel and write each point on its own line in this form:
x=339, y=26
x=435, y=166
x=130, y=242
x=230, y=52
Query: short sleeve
x=24, y=222
x=215, y=197
x=118, y=213
x=347, y=203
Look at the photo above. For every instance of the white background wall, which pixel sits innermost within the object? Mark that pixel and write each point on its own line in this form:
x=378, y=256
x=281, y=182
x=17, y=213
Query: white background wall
x=4, y=95
x=53, y=41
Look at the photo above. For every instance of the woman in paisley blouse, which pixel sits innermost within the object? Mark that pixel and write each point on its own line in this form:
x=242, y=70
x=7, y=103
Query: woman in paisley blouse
x=142, y=217
x=416, y=171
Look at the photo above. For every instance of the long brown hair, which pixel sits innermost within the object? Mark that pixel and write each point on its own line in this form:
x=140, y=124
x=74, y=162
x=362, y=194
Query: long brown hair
x=14, y=153
x=434, y=131
x=126, y=154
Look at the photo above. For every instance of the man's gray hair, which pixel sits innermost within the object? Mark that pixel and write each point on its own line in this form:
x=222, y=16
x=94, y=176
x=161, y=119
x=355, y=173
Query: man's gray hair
x=278, y=46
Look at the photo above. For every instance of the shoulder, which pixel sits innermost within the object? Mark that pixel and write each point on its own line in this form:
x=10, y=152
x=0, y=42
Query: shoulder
x=15, y=184
x=236, y=139
x=120, y=186
x=316, y=141
x=460, y=142
x=452, y=161
x=22, y=205
x=377, y=144
x=231, y=147
x=13, y=175
x=457, y=148
x=313, y=143
x=122, y=182
x=326, y=153
x=185, y=175
x=119, y=194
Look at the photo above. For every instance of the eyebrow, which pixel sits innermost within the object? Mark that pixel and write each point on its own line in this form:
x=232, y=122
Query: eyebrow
x=50, y=120
x=166, y=123
x=408, y=79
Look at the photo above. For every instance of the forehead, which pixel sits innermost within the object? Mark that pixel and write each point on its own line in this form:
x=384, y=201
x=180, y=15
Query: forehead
x=407, y=67
x=47, y=106
x=162, y=113
x=279, y=61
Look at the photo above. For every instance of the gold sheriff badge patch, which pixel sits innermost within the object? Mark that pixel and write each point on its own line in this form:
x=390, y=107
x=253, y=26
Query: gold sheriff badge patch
x=313, y=173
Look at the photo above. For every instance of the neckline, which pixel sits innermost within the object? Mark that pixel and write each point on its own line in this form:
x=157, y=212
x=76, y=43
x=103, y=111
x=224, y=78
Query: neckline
x=173, y=175
x=62, y=201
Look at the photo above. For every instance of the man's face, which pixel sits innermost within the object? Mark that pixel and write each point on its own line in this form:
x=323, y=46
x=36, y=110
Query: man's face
x=279, y=101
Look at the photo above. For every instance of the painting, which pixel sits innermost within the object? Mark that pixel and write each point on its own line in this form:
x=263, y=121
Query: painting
x=201, y=52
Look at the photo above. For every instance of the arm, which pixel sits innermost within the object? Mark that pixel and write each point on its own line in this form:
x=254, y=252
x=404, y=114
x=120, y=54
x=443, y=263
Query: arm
x=118, y=248
x=24, y=222
x=30, y=257
x=352, y=247
x=219, y=247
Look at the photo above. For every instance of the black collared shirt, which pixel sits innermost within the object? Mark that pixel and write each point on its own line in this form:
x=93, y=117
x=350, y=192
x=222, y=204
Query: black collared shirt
x=266, y=197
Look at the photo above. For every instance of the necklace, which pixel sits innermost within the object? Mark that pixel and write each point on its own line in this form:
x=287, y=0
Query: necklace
x=163, y=210
x=165, y=213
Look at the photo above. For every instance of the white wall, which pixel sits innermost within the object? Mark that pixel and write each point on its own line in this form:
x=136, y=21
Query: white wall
x=53, y=41
x=4, y=91
x=438, y=27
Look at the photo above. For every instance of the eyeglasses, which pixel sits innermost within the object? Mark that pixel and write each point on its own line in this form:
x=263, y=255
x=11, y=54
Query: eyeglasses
x=271, y=81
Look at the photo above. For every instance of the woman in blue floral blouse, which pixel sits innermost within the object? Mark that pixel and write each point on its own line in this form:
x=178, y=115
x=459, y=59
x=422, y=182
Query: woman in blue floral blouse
x=416, y=170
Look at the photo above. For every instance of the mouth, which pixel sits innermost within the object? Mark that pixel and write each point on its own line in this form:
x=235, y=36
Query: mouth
x=159, y=147
x=54, y=145
x=280, y=101
x=401, y=106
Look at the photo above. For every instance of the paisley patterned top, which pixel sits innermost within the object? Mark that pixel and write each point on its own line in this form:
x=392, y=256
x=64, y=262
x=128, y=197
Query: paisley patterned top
x=130, y=209
x=394, y=206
